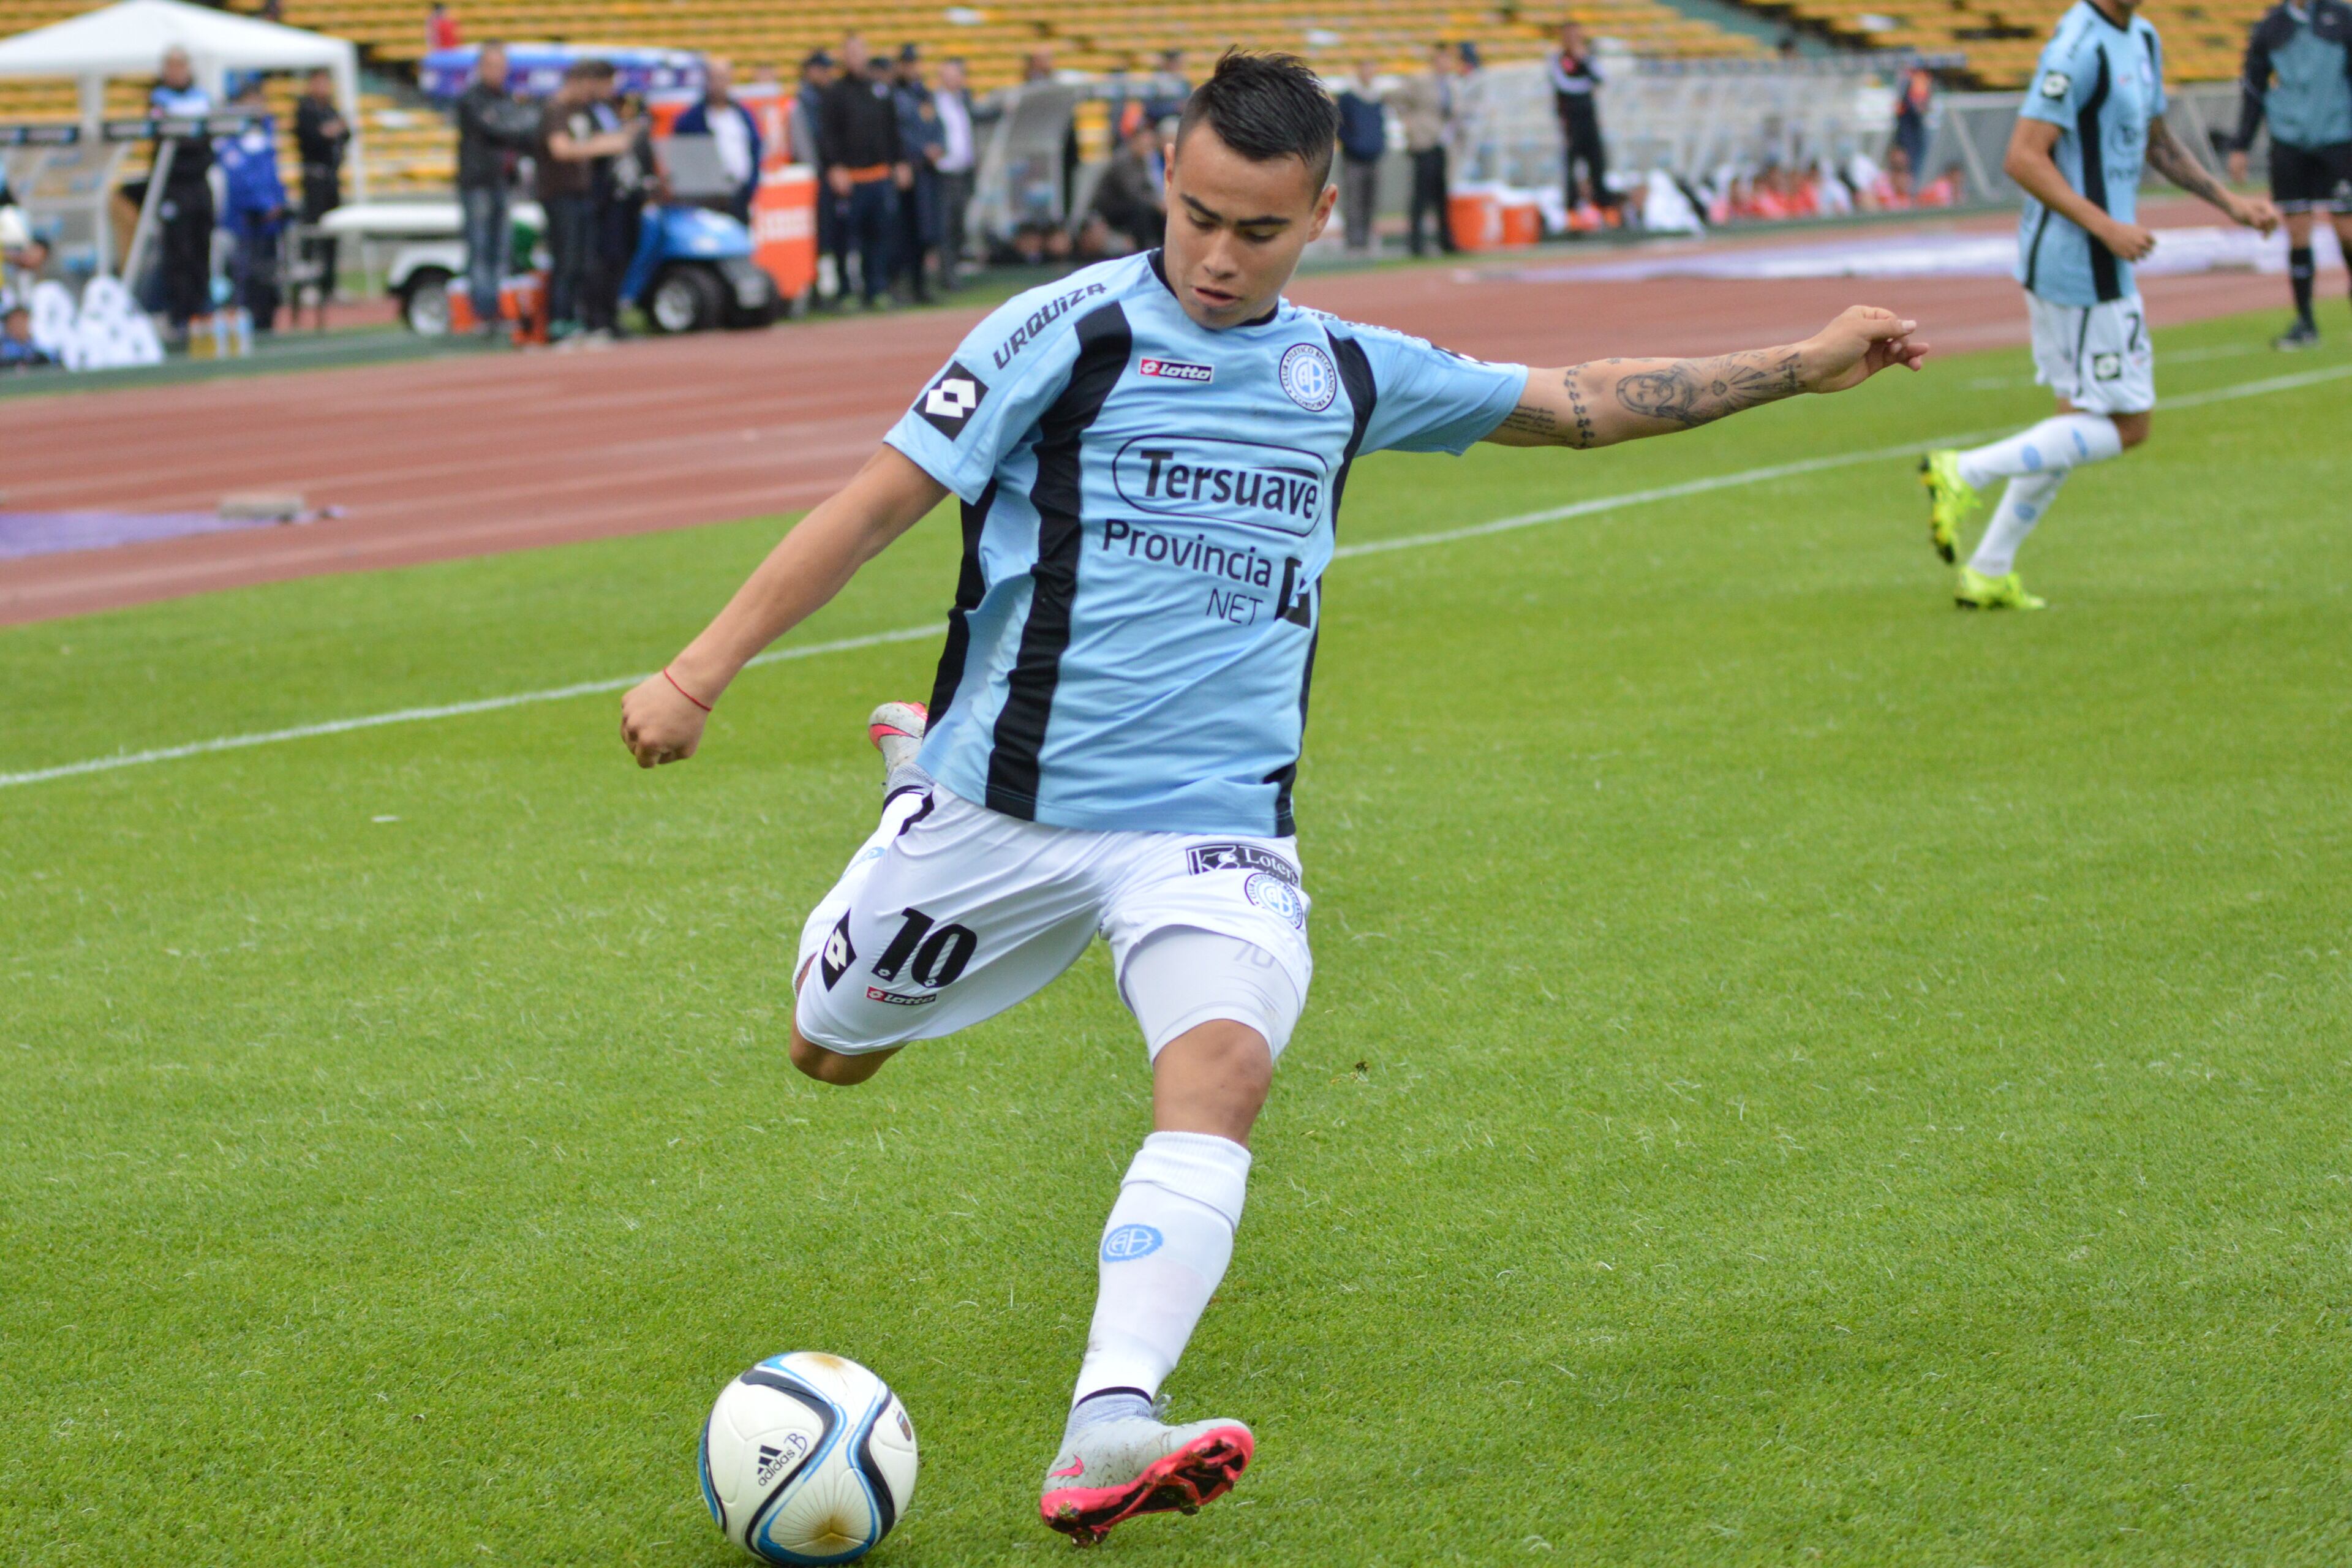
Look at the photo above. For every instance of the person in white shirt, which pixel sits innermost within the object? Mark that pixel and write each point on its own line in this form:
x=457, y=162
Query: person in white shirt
x=957, y=162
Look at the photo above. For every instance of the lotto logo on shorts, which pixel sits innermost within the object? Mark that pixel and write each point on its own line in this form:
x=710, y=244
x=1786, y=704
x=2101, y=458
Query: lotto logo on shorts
x=876, y=994
x=1204, y=858
x=1130, y=1242
x=837, y=956
x=1177, y=369
x=950, y=402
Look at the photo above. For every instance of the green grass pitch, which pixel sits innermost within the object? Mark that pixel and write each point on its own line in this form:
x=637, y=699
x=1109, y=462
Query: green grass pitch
x=1796, y=1073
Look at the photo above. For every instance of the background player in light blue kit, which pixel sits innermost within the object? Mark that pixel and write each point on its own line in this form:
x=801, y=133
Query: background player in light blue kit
x=1150, y=456
x=2299, y=73
x=2093, y=117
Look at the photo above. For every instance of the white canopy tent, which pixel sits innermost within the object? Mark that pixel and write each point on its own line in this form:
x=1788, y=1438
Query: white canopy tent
x=129, y=39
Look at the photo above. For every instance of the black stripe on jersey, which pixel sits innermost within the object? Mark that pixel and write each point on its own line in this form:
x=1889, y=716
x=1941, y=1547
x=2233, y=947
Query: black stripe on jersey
x=2033, y=252
x=1356, y=375
x=1363, y=396
x=1105, y=342
x=2105, y=282
x=971, y=588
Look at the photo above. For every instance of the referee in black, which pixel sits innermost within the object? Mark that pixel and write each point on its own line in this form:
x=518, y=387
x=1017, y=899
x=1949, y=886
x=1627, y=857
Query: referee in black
x=2299, y=73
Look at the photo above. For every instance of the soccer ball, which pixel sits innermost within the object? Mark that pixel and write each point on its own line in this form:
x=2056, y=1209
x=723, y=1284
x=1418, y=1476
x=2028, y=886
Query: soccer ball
x=807, y=1458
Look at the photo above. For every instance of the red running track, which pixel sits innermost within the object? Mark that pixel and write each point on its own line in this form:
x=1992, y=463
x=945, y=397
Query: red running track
x=451, y=458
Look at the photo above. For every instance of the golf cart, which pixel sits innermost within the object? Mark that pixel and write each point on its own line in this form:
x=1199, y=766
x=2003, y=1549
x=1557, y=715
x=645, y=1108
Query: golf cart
x=428, y=254
x=694, y=267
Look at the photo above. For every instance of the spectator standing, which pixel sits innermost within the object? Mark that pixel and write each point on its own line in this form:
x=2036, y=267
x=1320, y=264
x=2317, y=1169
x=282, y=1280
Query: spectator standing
x=254, y=208
x=186, y=205
x=1911, y=116
x=320, y=139
x=1424, y=106
x=493, y=128
x=1363, y=141
x=2298, y=72
x=441, y=30
x=1132, y=195
x=733, y=129
x=1575, y=98
x=804, y=131
x=1471, y=153
x=864, y=169
x=571, y=141
x=1170, y=88
x=959, y=160
x=921, y=141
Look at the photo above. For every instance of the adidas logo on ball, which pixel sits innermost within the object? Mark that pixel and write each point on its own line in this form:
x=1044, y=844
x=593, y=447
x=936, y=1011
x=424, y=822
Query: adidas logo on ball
x=775, y=1460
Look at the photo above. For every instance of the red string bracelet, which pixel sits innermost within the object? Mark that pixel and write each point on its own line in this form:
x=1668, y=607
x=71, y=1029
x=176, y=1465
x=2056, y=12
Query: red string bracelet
x=682, y=691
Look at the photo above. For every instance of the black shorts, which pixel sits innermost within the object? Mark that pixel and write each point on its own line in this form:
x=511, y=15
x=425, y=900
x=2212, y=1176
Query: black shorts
x=2311, y=179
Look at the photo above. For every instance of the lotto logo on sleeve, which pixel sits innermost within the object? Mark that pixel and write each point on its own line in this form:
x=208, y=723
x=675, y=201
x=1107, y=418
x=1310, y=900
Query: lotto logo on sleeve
x=950, y=402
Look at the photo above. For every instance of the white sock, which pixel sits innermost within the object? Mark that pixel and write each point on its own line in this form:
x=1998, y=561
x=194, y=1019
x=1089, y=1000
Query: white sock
x=830, y=909
x=1164, y=1248
x=2061, y=442
x=2021, y=506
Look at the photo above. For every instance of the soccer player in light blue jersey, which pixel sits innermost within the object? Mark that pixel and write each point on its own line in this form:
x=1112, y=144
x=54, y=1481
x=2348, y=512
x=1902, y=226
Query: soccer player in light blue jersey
x=2091, y=120
x=1150, y=456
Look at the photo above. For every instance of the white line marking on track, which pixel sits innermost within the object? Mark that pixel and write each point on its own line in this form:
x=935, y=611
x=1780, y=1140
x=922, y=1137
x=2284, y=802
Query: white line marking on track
x=912, y=634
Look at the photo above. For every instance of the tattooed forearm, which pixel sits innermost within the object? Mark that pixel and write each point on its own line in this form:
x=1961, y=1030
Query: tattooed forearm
x=1695, y=391
x=1529, y=420
x=1584, y=436
x=2174, y=162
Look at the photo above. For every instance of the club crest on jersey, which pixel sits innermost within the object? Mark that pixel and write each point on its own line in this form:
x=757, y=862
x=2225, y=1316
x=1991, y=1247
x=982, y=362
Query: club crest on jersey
x=2055, y=84
x=950, y=402
x=1176, y=370
x=1309, y=377
x=1276, y=898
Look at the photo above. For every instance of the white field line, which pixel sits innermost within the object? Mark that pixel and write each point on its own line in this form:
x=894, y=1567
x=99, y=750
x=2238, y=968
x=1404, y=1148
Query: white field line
x=910, y=634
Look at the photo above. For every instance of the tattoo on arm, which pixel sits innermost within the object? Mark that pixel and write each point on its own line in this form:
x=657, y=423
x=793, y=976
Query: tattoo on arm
x=1584, y=436
x=2170, y=159
x=1530, y=420
x=1695, y=391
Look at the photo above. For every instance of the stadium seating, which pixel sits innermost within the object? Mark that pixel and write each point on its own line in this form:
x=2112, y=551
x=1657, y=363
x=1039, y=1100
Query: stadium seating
x=2204, y=39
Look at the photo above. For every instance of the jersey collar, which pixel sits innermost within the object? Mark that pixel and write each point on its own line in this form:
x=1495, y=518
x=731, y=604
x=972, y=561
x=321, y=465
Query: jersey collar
x=1160, y=272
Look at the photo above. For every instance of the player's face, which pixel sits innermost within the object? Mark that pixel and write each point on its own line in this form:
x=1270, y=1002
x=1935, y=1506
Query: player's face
x=1235, y=227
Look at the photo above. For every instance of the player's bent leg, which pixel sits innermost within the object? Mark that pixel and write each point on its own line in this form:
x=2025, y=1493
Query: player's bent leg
x=840, y=1068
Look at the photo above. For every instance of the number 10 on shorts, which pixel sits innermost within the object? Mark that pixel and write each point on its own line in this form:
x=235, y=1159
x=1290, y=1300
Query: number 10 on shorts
x=939, y=952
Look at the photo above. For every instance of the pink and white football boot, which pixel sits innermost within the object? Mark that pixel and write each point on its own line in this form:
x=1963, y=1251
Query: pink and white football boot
x=1114, y=1470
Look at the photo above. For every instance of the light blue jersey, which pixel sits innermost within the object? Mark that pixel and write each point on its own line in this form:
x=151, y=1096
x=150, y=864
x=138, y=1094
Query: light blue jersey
x=1149, y=509
x=2101, y=84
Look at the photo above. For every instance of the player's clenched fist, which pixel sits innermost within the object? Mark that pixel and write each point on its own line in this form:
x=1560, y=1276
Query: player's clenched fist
x=1860, y=344
x=660, y=723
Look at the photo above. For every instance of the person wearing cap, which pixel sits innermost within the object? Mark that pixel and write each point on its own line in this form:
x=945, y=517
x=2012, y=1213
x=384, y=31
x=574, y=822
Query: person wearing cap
x=922, y=139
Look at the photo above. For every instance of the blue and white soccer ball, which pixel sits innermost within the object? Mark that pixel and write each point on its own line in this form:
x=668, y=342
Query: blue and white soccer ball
x=807, y=1458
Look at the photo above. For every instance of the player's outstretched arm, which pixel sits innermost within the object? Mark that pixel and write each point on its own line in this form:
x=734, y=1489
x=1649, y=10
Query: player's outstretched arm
x=662, y=718
x=1607, y=401
x=2168, y=157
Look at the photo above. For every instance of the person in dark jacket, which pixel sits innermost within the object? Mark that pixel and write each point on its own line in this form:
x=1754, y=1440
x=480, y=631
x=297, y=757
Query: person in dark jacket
x=575, y=141
x=864, y=169
x=2299, y=72
x=922, y=141
x=493, y=129
x=734, y=129
x=1363, y=142
x=1575, y=87
x=186, y=205
x=1132, y=195
x=320, y=138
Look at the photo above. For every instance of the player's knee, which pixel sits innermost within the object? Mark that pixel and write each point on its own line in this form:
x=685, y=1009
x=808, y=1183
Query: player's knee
x=831, y=1067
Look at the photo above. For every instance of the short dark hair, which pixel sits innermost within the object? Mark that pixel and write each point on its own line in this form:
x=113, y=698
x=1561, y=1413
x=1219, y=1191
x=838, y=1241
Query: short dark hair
x=1267, y=106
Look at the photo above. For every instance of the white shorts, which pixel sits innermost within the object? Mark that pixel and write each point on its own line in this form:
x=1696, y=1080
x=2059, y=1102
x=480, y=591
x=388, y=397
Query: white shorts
x=968, y=911
x=2097, y=357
